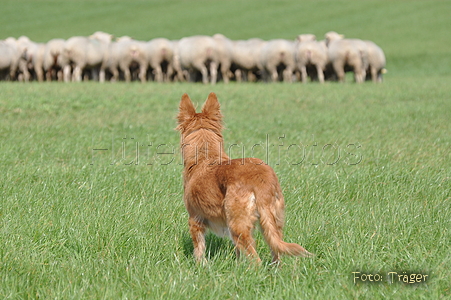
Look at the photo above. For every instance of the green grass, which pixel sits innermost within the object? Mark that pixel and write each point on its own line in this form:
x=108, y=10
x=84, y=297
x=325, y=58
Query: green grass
x=367, y=186
x=78, y=223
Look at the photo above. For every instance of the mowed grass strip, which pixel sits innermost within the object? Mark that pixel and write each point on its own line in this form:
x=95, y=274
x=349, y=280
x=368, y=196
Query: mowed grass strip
x=365, y=171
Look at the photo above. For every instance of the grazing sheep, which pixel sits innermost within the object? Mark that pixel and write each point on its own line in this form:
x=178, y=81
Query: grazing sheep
x=199, y=53
x=376, y=62
x=178, y=74
x=225, y=53
x=32, y=58
x=21, y=45
x=52, y=59
x=246, y=57
x=9, y=59
x=85, y=53
x=310, y=53
x=132, y=53
x=347, y=54
x=276, y=54
x=160, y=55
x=111, y=59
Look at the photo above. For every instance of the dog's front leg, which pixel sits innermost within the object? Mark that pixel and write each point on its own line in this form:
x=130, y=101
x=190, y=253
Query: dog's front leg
x=197, y=230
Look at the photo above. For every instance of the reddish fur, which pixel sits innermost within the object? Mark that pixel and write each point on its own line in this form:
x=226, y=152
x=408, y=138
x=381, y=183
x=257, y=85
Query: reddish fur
x=228, y=195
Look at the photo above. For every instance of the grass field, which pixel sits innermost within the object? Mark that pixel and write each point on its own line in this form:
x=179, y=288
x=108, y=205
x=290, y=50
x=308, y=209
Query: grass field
x=91, y=189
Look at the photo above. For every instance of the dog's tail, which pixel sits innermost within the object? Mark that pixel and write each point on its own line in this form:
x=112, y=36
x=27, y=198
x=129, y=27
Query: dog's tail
x=271, y=213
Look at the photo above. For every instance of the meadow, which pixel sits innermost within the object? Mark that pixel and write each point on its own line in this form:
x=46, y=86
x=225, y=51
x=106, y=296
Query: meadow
x=91, y=186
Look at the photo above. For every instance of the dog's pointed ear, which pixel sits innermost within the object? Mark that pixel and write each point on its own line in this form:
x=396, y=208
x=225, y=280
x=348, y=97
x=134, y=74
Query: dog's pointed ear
x=211, y=106
x=186, y=109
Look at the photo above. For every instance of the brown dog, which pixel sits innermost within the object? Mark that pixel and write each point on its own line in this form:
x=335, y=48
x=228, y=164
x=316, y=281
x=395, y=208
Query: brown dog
x=226, y=195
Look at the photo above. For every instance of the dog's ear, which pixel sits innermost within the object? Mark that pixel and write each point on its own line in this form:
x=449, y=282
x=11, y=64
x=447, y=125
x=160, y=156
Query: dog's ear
x=211, y=106
x=186, y=109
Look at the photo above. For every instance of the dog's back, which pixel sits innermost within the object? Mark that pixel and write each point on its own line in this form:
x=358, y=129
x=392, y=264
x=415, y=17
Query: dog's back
x=228, y=195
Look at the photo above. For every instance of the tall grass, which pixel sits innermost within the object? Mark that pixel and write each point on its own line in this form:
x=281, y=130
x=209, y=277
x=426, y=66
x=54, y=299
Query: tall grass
x=91, y=194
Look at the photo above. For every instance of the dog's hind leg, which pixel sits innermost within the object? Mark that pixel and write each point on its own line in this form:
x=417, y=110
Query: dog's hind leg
x=197, y=230
x=241, y=216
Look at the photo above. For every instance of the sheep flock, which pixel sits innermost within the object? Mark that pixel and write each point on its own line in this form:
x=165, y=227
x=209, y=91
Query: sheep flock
x=208, y=59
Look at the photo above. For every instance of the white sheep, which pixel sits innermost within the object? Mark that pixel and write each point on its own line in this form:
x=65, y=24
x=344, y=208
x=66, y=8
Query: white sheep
x=52, y=59
x=347, y=54
x=85, y=53
x=246, y=57
x=275, y=54
x=311, y=53
x=160, y=52
x=199, y=53
x=9, y=59
x=225, y=55
x=376, y=62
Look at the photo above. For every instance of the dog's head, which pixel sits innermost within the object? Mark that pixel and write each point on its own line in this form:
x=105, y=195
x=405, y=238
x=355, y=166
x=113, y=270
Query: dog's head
x=210, y=118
